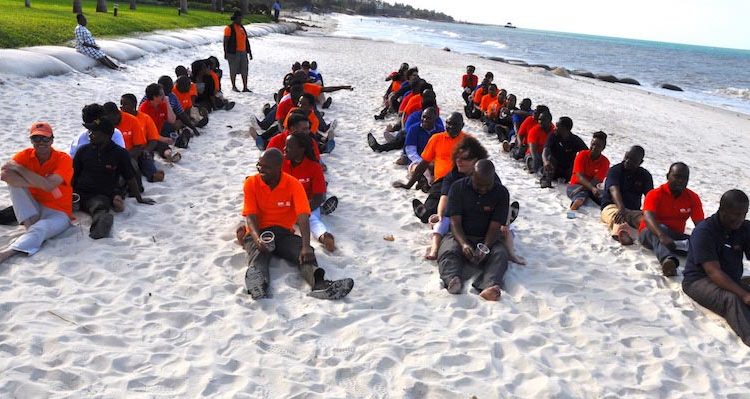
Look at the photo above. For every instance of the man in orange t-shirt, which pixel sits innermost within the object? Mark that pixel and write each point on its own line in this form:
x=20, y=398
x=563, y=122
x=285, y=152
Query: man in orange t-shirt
x=39, y=182
x=439, y=152
x=237, y=50
x=590, y=169
x=274, y=202
x=665, y=211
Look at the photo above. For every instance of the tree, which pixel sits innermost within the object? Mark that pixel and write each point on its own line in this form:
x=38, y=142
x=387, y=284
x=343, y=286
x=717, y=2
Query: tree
x=132, y=4
x=77, y=8
x=101, y=5
x=183, y=6
x=244, y=7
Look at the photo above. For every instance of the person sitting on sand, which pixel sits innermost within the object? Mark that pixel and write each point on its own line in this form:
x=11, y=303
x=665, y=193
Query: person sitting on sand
x=535, y=141
x=518, y=117
x=313, y=77
x=487, y=100
x=86, y=45
x=665, y=211
x=186, y=91
x=322, y=132
x=468, y=82
x=625, y=185
x=274, y=202
x=182, y=118
x=395, y=99
x=157, y=105
x=438, y=152
x=396, y=141
x=90, y=113
x=559, y=153
x=589, y=170
x=478, y=209
x=473, y=110
x=418, y=135
x=97, y=168
x=519, y=151
x=300, y=162
x=314, y=72
x=155, y=142
x=297, y=124
x=713, y=271
x=502, y=120
x=39, y=183
x=397, y=78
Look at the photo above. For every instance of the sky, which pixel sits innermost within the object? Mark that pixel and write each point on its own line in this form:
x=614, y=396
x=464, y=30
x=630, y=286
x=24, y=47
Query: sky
x=718, y=23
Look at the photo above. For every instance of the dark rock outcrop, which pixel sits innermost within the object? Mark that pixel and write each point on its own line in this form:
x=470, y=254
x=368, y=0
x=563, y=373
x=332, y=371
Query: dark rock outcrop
x=669, y=86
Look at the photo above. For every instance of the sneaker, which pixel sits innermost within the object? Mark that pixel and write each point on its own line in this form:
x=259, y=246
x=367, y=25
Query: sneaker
x=101, y=225
x=255, y=283
x=8, y=216
x=669, y=267
x=545, y=182
x=260, y=142
x=373, y=143
x=418, y=207
x=515, y=207
x=327, y=103
x=329, y=205
x=228, y=106
x=333, y=289
x=379, y=117
x=202, y=123
x=331, y=132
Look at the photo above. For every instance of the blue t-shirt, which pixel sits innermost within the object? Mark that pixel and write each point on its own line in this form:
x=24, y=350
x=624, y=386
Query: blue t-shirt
x=710, y=242
x=416, y=118
x=418, y=136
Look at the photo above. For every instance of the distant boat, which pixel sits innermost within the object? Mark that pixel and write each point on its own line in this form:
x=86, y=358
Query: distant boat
x=509, y=25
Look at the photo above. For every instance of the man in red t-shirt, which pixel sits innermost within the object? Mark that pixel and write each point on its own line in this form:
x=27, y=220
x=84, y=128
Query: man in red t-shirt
x=468, y=82
x=590, y=168
x=39, y=182
x=536, y=139
x=521, y=146
x=157, y=107
x=274, y=202
x=665, y=211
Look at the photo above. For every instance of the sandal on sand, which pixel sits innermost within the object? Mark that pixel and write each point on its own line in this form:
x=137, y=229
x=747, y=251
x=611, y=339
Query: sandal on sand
x=333, y=289
x=329, y=205
x=454, y=285
x=491, y=293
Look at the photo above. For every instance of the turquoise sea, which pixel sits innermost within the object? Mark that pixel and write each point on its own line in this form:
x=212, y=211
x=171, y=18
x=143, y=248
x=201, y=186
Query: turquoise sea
x=714, y=76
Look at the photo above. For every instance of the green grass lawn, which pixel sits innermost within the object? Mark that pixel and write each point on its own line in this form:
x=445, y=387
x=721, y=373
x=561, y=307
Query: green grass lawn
x=53, y=21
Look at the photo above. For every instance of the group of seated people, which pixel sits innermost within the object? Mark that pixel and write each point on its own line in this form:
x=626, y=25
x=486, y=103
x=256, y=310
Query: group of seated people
x=552, y=152
x=302, y=92
x=108, y=161
x=290, y=188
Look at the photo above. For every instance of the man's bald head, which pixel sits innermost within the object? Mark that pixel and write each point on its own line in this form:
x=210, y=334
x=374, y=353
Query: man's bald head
x=454, y=124
x=483, y=178
x=273, y=156
x=484, y=168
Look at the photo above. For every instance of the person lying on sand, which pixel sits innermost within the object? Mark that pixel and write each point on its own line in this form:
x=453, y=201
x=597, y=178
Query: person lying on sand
x=713, y=271
x=559, y=152
x=478, y=210
x=665, y=211
x=86, y=45
x=625, y=185
x=97, y=168
x=300, y=162
x=273, y=203
x=39, y=182
x=438, y=151
x=155, y=141
x=589, y=171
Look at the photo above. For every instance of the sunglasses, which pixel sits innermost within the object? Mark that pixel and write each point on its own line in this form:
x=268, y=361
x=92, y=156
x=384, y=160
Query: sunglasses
x=41, y=139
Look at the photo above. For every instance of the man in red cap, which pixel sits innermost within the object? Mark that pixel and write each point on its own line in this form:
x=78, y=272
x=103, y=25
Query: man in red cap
x=39, y=181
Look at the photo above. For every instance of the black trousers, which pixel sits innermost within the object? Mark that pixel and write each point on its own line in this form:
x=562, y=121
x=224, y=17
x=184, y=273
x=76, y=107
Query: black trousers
x=451, y=262
x=433, y=198
x=722, y=302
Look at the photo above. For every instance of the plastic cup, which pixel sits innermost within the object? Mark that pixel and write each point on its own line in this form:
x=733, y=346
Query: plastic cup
x=482, y=250
x=434, y=219
x=571, y=214
x=174, y=136
x=76, y=202
x=267, y=238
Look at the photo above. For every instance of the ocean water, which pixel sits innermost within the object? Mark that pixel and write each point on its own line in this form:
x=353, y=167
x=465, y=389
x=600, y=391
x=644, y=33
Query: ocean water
x=714, y=76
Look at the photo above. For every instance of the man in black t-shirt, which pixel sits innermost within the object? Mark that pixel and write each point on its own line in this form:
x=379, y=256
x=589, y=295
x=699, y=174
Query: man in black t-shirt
x=626, y=184
x=478, y=208
x=97, y=168
x=560, y=152
x=713, y=270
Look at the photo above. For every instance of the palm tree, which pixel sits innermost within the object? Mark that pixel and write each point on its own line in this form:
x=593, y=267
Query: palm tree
x=244, y=7
x=101, y=5
x=77, y=8
x=132, y=4
x=183, y=6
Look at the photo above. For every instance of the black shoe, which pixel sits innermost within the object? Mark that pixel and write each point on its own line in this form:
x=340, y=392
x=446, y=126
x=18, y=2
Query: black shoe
x=329, y=205
x=419, y=209
x=203, y=122
x=327, y=103
x=229, y=106
x=333, y=289
x=101, y=225
x=514, y=209
x=8, y=217
x=379, y=117
x=373, y=143
x=255, y=283
x=545, y=182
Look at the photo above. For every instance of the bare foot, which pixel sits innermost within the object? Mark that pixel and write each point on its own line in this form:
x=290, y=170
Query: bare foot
x=328, y=242
x=491, y=293
x=4, y=255
x=241, y=232
x=118, y=204
x=430, y=254
x=624, y=238
x=576, y=204
x=517, y=259
x=454, y=285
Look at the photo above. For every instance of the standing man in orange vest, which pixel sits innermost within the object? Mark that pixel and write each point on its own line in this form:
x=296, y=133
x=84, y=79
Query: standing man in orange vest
x=237, y=50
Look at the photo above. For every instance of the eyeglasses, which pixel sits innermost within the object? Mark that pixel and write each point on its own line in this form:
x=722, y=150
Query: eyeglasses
x=41, y=139
x=465, y=158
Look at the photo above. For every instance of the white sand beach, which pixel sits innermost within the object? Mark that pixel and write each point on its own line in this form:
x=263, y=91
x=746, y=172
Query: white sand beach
x=159, y=309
